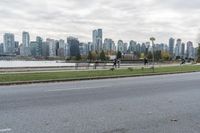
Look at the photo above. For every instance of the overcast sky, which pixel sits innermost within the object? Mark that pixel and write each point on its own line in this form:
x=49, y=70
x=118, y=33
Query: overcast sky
x=120, y=19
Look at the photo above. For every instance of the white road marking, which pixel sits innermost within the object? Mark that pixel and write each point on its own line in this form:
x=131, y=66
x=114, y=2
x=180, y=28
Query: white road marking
x=57, y=90
x=5, y=130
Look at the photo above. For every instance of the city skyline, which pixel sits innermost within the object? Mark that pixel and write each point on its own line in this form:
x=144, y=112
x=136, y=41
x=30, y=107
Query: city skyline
x=31, y=38
x=74, y=48
x=127, y=20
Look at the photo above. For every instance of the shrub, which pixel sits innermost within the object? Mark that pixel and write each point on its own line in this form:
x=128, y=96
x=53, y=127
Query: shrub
x=112, y=69
x=130, y=69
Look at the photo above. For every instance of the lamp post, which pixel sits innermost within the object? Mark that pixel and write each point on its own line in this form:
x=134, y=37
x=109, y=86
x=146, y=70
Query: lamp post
x=152, y=40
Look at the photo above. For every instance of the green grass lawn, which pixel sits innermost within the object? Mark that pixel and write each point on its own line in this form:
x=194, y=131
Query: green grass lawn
x=93, y=74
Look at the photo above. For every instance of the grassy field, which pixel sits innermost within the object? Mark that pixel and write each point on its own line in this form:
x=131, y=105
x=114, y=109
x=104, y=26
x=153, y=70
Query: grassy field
x=44, y=76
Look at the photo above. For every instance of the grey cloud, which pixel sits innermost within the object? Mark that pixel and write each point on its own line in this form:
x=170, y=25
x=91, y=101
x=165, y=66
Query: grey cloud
x=125, y=19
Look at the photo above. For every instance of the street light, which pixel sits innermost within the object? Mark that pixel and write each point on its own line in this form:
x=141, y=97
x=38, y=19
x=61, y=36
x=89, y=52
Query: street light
x=152, y=40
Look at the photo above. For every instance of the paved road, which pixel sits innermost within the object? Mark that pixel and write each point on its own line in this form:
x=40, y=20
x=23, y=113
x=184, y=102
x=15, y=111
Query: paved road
x=157, y=104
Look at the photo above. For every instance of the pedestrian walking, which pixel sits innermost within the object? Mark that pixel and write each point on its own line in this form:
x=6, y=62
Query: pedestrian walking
x=115, y=63
x=118, y=62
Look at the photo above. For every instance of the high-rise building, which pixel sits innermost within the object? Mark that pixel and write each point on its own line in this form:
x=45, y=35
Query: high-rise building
x=98, y=40
x=190, y=50
x=132, y=46
x=114, y=48
x=171, y=46
x=161, y=47
x=178, y=49
x=1, y=48
x=39, y=47
x=62, y=48
x=166, y=48
x=120, y=46
x=125, y=48
x=143, y=48
x=138, y=50
x=25, y=39
x=73, y=46
x=52, y=47
x=25, y=48
x=182, y=50
x=17, y=48
x=34, y=48
x=45, y=49
x=83, y=49
x=108, y=45
x=9, y=43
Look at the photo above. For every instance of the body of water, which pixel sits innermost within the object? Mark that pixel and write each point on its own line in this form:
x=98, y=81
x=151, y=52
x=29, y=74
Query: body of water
x=13, y=64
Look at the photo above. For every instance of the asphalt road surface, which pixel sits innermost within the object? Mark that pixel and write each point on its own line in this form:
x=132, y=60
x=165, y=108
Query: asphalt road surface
x=156, y=104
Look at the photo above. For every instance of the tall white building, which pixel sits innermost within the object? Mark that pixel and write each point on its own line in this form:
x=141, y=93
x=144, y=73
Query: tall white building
x=52, y=47
x=178, y=49
x=25, y=48
x=25, y=39
x=190, y=50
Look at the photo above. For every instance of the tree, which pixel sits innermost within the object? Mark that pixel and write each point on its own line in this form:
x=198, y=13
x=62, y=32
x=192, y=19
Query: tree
x=78, y=57
x=158, y=55
x=94, y=56
x=97, y=55
x=198, y=54
x=165, y=56
x=89, y=56
x=102, y=56
x=119, y=55
x=142, y=56
x=149, y=55
x=199, y=51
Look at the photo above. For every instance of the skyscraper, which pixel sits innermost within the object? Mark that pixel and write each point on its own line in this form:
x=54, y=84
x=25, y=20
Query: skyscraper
x=132, y=46
x=25, y=39
x=9, y=43
x=1, y=48
x=45, y=49
x=178, y=49
x=182, y=50
x=39, y=47
x=62, y=48
x=120, y=46
x=171, y=46
x=108, y=45
x=143, y=48
x=83, y=47
x=98, y=40
x=190, y=50
x=25, y=49
x=73, y=46
x=52, y=47
x=34, y=48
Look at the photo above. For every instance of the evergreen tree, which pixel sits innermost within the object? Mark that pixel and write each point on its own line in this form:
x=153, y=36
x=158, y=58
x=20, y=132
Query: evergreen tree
x=119, y=55
x=89, y=56
x=158, y=55
x=150, y=55
x=78, y=57
x=198, y=54
x=199, y=51
x=102, y=56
